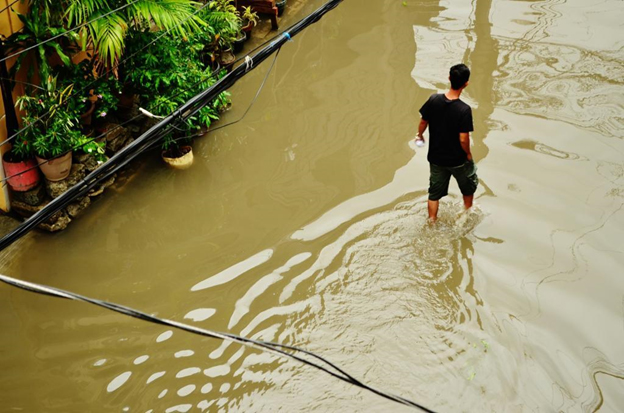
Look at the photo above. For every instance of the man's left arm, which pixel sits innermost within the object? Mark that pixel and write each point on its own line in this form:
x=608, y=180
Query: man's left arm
x=465, y=128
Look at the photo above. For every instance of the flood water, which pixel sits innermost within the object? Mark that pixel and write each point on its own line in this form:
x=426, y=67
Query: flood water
x=305, y=224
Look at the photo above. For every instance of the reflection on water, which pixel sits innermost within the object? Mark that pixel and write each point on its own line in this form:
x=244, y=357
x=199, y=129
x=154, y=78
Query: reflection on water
x=545, y=149
x=306, y=225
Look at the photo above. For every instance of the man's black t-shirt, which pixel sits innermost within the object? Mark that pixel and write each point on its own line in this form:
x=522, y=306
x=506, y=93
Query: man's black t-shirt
x=447, y=119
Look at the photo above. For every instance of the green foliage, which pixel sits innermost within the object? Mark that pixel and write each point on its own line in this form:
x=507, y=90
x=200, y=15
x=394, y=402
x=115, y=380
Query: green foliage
x=88, y=145
x=22, y=149
x=103, y=90
x=36, y=30
x=52, y=135
x=108, y=35
x=224, y=19
x=249, y=16
x=167, y=75
x=49, y=10
x=107, y=93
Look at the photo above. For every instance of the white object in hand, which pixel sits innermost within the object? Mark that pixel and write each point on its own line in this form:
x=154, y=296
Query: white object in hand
x=420, y=142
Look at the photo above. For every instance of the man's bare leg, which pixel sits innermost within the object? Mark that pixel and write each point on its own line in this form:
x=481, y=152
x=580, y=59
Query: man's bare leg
x=432, y=206
x=467, y=201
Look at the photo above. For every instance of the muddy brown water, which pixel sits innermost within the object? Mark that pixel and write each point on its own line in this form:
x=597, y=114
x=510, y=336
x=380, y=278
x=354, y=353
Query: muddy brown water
x=305, y=224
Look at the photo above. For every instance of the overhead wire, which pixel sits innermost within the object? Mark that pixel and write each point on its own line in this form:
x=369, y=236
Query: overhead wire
x=271, y=347
x=9, y=6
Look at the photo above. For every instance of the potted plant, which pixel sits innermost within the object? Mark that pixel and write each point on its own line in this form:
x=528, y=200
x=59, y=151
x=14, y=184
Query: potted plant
x=250, y=19
x=177, y=151
x=226, y=22
x=20, y=167
x=52, y=129
x=48, y=42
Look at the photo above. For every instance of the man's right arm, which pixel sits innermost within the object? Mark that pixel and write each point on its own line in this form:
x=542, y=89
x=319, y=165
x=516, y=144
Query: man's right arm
x=422, y=127
x=464, y=140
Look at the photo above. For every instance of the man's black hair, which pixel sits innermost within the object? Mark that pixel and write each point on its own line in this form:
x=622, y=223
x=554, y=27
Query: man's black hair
x=459, y=75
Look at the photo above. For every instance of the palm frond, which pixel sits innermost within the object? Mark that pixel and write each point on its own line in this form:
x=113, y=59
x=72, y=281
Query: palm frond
x=222, y=19
x=108, y=37
x=174, y=15
x=80, y=11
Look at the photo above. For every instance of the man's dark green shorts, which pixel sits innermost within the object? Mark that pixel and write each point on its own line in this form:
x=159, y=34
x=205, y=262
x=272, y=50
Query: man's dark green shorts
x=440, y=176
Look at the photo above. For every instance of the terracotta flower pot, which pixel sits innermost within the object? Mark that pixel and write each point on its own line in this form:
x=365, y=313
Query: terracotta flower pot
x=179, y=162
x=56, y=169
x=24, y=174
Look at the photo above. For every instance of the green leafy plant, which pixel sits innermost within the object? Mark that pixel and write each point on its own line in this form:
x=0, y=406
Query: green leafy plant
x=106, y=91
x=21, y=150
x=107, y=35
x=81, y=79
x=52, y=126
x=166, y=76
x=225, y=20
x=36, y=30
x=249, y=17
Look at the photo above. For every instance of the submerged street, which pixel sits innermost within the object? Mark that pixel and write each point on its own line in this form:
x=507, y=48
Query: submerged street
x=306, y=224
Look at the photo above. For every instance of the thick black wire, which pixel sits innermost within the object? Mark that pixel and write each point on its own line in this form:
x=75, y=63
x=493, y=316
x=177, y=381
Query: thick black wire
x=9, y=6
x=264, y=345
x=116, y=66
x=68, y=31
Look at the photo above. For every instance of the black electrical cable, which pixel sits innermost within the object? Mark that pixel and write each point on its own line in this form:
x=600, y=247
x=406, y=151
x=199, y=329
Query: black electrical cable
x=116, y=66
x=275, y=348
x=22, y=83
x=9, y=6
x=68, y=31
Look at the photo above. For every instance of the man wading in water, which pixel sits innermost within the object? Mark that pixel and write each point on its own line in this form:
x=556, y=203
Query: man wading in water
x=450, y=123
